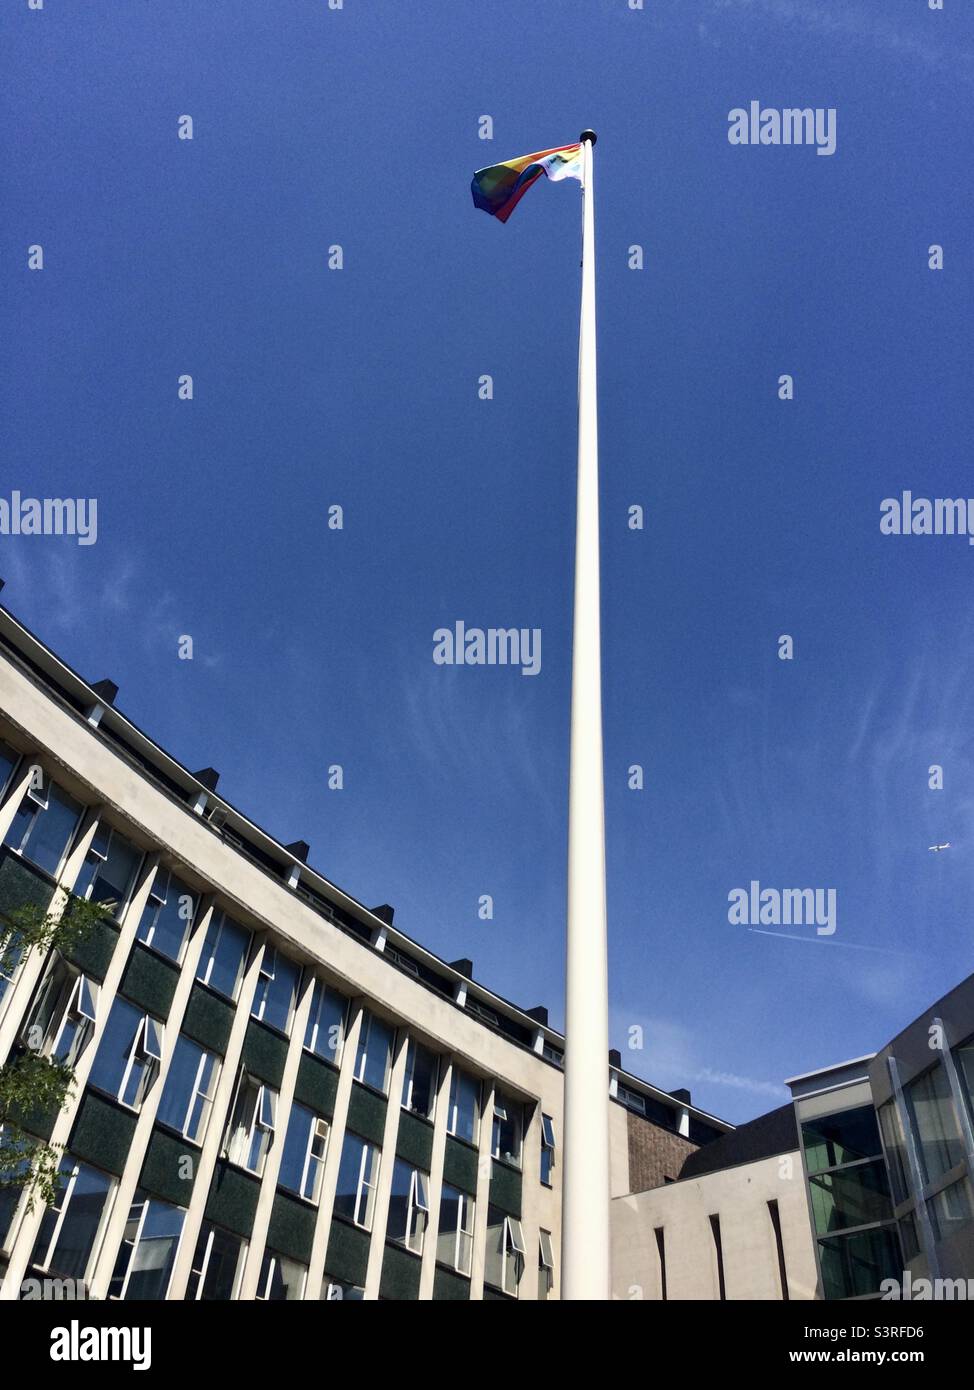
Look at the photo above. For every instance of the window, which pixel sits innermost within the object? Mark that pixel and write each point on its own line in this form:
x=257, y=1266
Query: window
x=303, y=1160
x=419, y=1083
x=43, y=827
x=335, y=1291
x=935, y=1123
x=60, y=1022
x=108, y=874
x=72, y=1228
x=187, y=1097
x=168, y=915
x=546, y=1265
x=358, y=1174
x=857, y=1195
x=454, y=1241
x=15, y=1152
x=856, y=1264
x=408, y=1206
x=374, y=1056
x=217, y=1265
x=8, y=761
x=844, y=1137
x=506, y=1136
x=9, y=963
x=505, y=1251
x=128, y=1055
x=277, y=990
x=547, y=1148
x=951, y=1209
x=463, y=1120
x=224, y=957
x=631, y=1100
x=251, y=1129
x=281, y=1278
x=326, y=1023
x=143, y=1268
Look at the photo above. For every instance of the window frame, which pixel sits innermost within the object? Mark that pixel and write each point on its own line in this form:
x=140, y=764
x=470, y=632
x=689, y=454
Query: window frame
x=413, y=1048
x=62, y=1206
x=548, y=1146
x=146, y=1202
x=453, y=1110
x=362, y=1051
x=196, y=1092
x=320, y=990
x=201, y=1273
x=221, y=919
x=262, y=1121
x=268, y=1260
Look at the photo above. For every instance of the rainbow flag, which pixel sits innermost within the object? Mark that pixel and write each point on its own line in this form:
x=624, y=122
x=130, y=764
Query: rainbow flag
x=499, y=188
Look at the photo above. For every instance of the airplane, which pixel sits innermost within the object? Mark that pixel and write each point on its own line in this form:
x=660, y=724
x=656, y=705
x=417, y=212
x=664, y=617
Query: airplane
x=937, y=848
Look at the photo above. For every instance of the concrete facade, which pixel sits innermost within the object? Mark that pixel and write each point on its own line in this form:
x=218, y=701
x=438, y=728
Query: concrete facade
x=52, y=720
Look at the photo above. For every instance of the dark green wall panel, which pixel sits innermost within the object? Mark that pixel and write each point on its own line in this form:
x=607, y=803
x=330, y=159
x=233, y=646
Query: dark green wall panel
x=102, y=1133
x=264, y=1053
x=94, y=954
x=366, y=1113
x=414, y=1142
x=400, y=1274
x=317, y=1085
x=292, y=1228
x=348, y=1253
x=460, y=1165
x=149, y=981
x=447, y=1285
x=505, y=1188
x=233, y=1199
x=208, y=1020
x=164, y=1166
x=21, y=885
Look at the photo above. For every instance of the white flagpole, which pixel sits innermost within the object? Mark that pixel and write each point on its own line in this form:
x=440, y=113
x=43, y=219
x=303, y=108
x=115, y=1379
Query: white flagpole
x=585, y=1196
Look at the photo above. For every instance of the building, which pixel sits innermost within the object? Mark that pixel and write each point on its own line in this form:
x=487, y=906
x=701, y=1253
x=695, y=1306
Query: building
x=733, y=1225
x=861, y=1188
x=278, y=1094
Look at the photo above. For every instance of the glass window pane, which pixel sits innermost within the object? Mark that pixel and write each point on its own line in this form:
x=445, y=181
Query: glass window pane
x=275, y=998
x=81, y=1224
x=855, y=1196
x=147, y=1257
x=464, y=1106
x=374, y=1052
x=165, y=926
x=51, y=830
x=857, y=1264
x=112, y=1057
x=833, y=1139
x=281, y=1278
x=951, y=1209
x=419, y=1083
x=326, y=1023
x=935, y=1122
x=224, y=957
x=108, y=880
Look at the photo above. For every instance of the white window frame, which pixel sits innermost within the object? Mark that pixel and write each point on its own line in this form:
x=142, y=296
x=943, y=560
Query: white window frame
x=198, y=1091
x=80, y=1003
x=362, y=1054
x=466, y=1215
x=204, y=1266
x=315, y=1137
x=454, y=1108
x=546, y=1258
x=312, y=1044
x=147, y=1049
x=204, y=977
x=417, y=1211
x=158, y=898
x=412, y=1046
x=367, y=1185
x=263, y=1117
x=42, y=804
x=513, y=1238
x=548, y=1138
x=145, y=1203
x=502, y=1104
x=62, y=1211
x=264, y=1285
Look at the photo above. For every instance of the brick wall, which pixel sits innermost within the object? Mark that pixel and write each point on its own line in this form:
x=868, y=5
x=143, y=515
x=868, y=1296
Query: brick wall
x=655, y=1154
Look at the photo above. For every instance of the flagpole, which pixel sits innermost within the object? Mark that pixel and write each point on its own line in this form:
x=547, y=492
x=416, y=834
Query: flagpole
x=585, y=1194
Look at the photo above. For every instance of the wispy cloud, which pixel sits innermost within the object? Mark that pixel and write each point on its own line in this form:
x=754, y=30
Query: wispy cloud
x=742, y=1083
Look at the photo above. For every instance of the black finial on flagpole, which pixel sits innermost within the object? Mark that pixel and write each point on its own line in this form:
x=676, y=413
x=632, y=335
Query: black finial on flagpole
x=587, y=135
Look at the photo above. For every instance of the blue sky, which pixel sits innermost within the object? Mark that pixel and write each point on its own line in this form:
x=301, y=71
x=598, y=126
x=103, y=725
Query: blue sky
x=358, y=387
